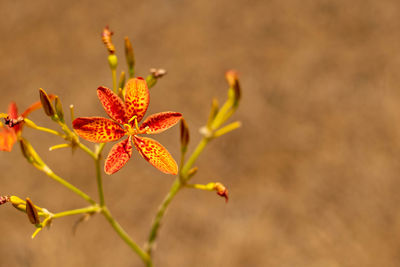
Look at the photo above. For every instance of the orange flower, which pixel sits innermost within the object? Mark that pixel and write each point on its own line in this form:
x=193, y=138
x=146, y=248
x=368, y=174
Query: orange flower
x=10, y=133
x=125, y=121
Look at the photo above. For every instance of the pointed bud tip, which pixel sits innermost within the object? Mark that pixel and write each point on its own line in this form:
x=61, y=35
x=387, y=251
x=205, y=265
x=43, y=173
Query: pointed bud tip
x=46, y=103
x=31, y=211
x=222, y=191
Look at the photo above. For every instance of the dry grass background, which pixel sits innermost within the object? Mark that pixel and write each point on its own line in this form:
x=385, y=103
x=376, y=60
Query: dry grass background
x=313, y=174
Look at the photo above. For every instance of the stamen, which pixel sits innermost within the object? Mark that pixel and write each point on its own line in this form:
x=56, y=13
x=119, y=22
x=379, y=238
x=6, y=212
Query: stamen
x=134, y=118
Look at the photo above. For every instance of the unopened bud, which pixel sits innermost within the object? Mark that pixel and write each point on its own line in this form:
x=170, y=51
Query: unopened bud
x=192, y=172
x=59, y=109
x=106, y=37
x=46, y=103
x=113, y=61
x=233, y=81
x=155, y=74
x=32, y=213
x=18, y=203
x=130, y=57
x=4, y=199
x=121, y=83
x=158, y=73
x=184, y=129
x=221, y=191
x=30, y=154
x=213, y=112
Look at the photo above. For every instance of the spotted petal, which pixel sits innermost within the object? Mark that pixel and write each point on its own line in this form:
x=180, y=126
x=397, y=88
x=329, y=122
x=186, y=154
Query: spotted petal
x=160, y=122
x=98, y=130
x=119, y=154
x=113, y=105
x=35, y=106
x=13, y=110
x=7, y=138
x=136, y=98
x=156, y=154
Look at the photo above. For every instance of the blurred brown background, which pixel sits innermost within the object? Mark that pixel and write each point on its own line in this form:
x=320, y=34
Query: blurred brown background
x=313, y=173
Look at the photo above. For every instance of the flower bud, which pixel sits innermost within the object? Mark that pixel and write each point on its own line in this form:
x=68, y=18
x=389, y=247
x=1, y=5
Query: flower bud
x=155, y=74
x=213, y=112
x=221, y=190
x=31, y=211
x=4, y=199
x=192, y=172
x=106, y=37
x=130, y=57
x=184, y=129
x=30, y=154
x=59, y=109
x=18, y=203
x=113, y=61
x=46, y=103
x=233, y=81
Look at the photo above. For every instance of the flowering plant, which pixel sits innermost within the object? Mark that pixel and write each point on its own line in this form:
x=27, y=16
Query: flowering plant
x=126, y=105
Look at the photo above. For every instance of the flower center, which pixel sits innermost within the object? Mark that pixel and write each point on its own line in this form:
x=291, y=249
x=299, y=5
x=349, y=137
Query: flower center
x=133, y=129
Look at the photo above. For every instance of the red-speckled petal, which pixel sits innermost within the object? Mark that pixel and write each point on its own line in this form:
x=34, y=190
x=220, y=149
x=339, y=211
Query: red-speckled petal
x=136, y=98
x=7, y=138
x=98, y=130
x=119, y=154
x=13, y=110
x=35, y=106
x=156, y=154
x=113, y=105
x=160, y=122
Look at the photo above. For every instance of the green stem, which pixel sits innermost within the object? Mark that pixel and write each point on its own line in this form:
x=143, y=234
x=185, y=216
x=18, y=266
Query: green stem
x=192, y=159
x=47, y=130
x=71, y=187
x=121, y=232
x=99, y=149
x=99, y=182
x=176, y=186
x=90, y=209
x=114, y=78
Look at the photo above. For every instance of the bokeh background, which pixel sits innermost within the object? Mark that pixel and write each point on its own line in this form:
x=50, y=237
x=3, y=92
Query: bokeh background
x=313, y=173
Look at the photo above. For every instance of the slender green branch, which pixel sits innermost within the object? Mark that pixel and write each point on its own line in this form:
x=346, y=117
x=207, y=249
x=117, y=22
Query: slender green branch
x=71, y=187
x=99, y=182
x=114, y=79
x=192, y=159
x=176, y=186
x=90, y=209
x=121, y=232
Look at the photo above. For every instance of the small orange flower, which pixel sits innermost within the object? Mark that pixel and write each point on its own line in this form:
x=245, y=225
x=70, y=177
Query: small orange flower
x=14, y=122
x=125, y=121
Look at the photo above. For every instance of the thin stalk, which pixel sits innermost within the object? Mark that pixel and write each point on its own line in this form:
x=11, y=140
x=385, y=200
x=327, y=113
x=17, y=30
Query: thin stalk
x=97, y=159
x=114, y=79
x=71, y=187
x=176, y=186
x=47, y=130
x=126, y=238
x=90, y=209
x=99, y=182
x=192, y=159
